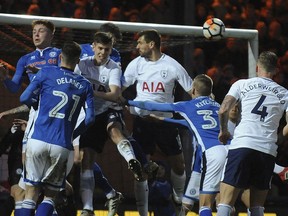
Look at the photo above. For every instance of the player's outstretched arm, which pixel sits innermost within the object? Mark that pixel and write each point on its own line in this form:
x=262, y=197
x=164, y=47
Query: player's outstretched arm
x=20, y=109
x=113, y=95
x=20, y=124
x=181, y=122
x=14, y=84
x=32, y=69
x=152, y=106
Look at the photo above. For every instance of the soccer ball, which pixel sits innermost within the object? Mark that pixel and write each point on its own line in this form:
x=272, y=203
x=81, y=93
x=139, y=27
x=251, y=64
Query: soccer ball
x=213, y=29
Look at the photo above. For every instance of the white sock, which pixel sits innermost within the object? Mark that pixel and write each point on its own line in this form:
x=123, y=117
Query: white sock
x=18, y=204
x=111, y=194
x=126, y=150
x=87, y=185
x=278, y=169
x=224, y=210
x=141, y=194
x=178, y=183
x=248, y=212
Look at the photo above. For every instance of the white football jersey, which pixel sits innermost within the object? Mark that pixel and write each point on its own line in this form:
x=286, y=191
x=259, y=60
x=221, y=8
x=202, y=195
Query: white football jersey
x=156, y=81
x=101, y=78
x=263, y=103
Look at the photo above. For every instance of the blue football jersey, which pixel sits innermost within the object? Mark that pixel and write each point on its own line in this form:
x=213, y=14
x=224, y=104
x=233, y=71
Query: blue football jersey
x=62, y=94
x=86, y=51
x=37, y=58
x=200, y=113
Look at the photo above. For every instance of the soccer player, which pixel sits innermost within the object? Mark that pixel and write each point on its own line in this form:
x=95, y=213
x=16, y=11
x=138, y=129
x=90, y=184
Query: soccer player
x=114, y=197
x=105, y=76
x=111, y=28
x=156, y=75
x=44, y=55
x=62, y=93
x=252, y=152
x=201, y=115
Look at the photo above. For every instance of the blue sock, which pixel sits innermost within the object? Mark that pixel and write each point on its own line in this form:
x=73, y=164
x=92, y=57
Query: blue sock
x=205, y=211
x=46, y=208
x=17, y=210
x=101, y=180
x=28, y=208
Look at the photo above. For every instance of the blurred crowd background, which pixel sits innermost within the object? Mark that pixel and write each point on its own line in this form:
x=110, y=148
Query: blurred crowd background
x=224, y=61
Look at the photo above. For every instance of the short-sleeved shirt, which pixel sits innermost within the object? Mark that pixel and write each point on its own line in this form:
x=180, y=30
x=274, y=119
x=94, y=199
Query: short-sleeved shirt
x=263, y=103
x=101, y=78
x=156, y=81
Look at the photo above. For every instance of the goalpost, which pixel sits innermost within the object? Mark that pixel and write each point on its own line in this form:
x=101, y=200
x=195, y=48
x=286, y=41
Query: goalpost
x=250, y=35
x=15, y=41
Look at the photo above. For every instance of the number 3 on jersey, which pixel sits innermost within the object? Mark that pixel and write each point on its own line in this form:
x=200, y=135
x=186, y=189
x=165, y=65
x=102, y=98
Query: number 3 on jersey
x=207, y=116
x=263, y=112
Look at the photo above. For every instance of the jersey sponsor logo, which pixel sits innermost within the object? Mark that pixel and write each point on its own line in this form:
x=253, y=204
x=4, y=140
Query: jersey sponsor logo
x=153, y=87
x=52, y=54
x=164, y=73
x=52, y=61
x=43, y=62
x=32, y=57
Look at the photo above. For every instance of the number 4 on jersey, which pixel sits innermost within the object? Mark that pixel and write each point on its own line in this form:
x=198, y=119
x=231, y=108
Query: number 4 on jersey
x=256, y=110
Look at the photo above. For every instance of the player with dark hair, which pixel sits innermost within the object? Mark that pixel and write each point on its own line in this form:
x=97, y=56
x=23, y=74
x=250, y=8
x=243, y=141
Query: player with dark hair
x=114, y=198
x=156, y=75
x=111, y=28
x=201, y=115
x=105, y=75
x=62, y=93
x=252, y=152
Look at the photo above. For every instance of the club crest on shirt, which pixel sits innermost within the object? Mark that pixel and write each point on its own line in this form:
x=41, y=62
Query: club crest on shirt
x=164, y=74
x=52, y=54
x=103, y=79
x=192, y=191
